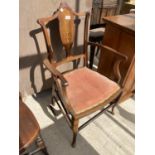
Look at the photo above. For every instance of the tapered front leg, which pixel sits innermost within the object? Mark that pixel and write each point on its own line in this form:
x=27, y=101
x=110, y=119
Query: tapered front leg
x=75, y=131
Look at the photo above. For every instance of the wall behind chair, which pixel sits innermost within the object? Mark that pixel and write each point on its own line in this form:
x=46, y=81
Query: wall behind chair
x=32, y=49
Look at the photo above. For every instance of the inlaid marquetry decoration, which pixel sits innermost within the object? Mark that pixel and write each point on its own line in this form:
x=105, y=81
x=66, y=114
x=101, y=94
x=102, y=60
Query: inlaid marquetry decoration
x=66, y=28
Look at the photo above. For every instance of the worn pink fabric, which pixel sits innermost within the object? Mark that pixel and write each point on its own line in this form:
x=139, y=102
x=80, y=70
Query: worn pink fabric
x=87, y=88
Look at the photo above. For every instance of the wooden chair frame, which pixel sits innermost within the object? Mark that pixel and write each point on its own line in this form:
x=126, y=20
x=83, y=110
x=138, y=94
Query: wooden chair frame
x=60, y=84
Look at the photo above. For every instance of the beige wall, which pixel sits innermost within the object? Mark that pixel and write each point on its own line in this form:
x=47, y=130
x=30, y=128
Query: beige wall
x=32, y=47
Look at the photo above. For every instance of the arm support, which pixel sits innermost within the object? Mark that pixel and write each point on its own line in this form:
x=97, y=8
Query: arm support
x=121, y=58
x=55, y=72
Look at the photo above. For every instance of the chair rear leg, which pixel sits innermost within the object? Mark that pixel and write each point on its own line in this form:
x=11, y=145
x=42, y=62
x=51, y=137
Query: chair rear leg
x=115, y=103
x=75, y=131
x=53, y=92
x=54, y=100
x=91, y=59
x=112, y=110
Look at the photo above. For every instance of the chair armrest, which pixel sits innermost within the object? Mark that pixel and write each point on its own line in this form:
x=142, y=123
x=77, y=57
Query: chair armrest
x=55, y=72
x=121, y=55
x=121, y=58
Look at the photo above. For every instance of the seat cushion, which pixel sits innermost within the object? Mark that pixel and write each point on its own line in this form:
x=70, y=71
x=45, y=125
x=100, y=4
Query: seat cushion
x=97, y=32
x=87, y=88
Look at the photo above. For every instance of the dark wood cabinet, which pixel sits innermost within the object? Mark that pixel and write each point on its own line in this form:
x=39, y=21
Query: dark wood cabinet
x=120, y=35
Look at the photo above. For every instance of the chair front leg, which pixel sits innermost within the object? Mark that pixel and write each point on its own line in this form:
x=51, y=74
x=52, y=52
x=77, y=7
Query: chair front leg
x=75, y=131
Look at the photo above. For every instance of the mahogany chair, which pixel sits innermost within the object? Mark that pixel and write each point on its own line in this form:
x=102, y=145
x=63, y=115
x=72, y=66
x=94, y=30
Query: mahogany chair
x=81, y=91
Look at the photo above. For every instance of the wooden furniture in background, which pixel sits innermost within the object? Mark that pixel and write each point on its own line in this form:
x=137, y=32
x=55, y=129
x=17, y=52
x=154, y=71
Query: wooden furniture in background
x=102, y=8
x=127, y=6
x=29, y=130
x=120, y=35
x=81, y=91
x=97, y=30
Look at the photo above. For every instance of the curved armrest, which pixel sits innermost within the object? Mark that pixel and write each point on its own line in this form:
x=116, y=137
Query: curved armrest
x=121, y=57
x=55, y=72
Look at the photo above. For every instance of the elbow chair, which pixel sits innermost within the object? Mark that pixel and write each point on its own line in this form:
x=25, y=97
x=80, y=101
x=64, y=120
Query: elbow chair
x=81, y=91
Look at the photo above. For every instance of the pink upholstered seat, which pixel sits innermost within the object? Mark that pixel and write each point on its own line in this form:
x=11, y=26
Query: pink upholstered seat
x=88, y=88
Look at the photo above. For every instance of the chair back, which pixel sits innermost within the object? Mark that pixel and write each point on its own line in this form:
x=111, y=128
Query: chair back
x=66, y=20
